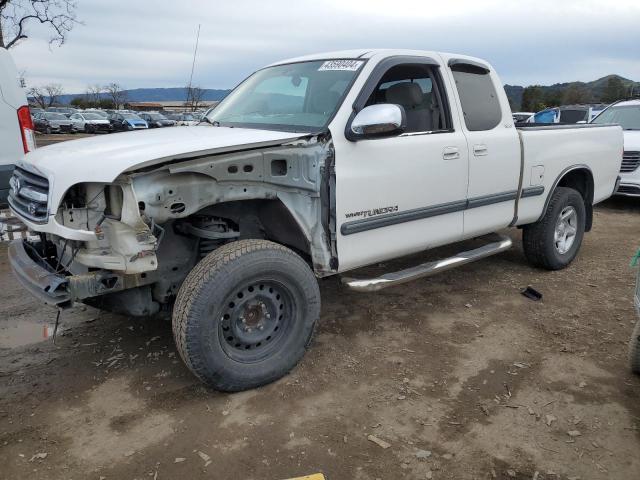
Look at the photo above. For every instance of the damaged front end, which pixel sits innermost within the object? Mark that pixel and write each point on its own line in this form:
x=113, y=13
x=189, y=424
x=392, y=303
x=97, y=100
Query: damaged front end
x=128, y=245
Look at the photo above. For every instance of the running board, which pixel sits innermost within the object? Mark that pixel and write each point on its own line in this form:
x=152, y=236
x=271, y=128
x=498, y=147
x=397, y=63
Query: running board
x=428, y=269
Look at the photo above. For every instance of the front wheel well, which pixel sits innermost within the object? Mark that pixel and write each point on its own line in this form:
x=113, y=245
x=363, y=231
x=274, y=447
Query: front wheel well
x=263, y=220
x=581, y=180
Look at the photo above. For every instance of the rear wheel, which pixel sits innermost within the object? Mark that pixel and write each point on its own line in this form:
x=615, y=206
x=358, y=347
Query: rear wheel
x=245, y=314
x=553, y=242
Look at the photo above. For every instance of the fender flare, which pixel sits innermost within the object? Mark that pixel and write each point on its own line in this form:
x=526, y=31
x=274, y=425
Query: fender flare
x=588, y=202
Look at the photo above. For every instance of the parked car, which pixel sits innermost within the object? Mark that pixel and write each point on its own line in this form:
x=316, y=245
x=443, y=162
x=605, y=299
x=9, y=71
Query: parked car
x=567, y=114
x=90, y=122
x=156, y=120
x=185, y=119
x=634, y=342
x=310, y=168
x=102, y=113
x=521, y=116
x=127, y=122
x=626, y=114
x=35, y=110
x=67, y=111
x=16, y=126
x=52, y=122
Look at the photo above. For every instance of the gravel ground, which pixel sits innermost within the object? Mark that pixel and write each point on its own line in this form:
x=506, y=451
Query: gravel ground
x=454, y=377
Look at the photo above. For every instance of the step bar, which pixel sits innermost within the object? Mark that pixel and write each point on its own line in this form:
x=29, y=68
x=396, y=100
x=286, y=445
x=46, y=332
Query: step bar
x=501, y=243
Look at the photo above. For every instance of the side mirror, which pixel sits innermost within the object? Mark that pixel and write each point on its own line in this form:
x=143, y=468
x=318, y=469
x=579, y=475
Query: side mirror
x=382, y=120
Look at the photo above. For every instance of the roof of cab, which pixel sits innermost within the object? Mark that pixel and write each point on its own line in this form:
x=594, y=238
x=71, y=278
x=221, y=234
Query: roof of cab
x=368, y=53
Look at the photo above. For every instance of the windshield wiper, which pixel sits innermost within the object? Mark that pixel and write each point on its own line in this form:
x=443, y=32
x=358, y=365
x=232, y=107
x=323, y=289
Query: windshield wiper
x=215, y=123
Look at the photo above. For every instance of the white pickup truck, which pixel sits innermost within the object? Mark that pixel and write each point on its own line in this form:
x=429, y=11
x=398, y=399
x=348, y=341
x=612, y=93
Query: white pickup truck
x=16, y=127
x=311, y=167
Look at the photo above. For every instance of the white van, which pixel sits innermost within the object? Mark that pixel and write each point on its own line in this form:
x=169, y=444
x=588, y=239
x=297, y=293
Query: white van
x=16, y=127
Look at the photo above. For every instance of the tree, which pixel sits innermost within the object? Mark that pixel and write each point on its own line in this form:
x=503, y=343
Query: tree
x=575, y=94
x=59, y=15
x=533, y=99
x=615, y=90
x=46, y=95
x=93, y=95
x=116, y=94
x=195, y=96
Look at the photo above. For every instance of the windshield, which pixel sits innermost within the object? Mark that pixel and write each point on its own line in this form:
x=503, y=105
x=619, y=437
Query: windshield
x=299, y=96
x=156, y=116
x=628, y=117
x=55, y=116
x=187, y=118
x=130, y=116
x=92, y=116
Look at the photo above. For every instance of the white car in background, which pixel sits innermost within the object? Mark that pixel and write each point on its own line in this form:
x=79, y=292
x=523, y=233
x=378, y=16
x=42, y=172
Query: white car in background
x=184, y=119
x=16, y=125
x=521, y=116
x=627, y=114
x=90, y=122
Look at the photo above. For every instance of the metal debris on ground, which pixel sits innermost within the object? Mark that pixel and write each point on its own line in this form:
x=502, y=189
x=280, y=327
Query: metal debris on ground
x=531, y=293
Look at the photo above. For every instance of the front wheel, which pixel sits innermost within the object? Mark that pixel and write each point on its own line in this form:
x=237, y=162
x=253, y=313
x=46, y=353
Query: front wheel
x=553, y=242
x=245, y=314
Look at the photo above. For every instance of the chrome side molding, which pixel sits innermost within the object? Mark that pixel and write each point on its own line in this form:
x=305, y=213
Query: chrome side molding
x=428, y=269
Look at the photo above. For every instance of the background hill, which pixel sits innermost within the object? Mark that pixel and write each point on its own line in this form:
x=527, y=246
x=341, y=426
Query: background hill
x=530, y=99
x=536, y=97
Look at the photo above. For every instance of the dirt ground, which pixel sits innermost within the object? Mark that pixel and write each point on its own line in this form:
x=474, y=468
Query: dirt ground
x=459, y=374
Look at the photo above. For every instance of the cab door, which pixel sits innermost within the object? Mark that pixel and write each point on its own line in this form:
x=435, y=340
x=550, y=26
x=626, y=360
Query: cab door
x=406, y=193
x=493, y=143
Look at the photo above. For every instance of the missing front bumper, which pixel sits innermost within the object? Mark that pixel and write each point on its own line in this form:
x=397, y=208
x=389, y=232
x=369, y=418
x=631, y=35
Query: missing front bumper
x=54, y=288
x=42, y=283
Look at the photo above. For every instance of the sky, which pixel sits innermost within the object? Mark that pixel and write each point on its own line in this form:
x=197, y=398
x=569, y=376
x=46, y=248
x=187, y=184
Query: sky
x=150, y=43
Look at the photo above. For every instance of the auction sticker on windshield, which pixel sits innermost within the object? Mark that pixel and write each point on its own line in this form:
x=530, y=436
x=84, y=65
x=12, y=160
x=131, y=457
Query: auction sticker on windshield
x=348, y=65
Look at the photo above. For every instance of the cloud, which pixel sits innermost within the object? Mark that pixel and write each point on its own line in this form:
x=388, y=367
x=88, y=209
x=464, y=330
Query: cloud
x=150, y=43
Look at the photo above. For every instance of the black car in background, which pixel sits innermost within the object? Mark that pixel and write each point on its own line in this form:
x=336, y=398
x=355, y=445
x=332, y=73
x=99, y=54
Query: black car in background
x=156, y=120
x=52, y=122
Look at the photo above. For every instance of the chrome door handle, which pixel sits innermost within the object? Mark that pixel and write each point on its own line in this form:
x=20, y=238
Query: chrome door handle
x=480, y=150
x=450, y=153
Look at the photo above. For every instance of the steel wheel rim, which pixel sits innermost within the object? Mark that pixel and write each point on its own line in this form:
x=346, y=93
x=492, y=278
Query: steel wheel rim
x=255, y=320
x=564, y=235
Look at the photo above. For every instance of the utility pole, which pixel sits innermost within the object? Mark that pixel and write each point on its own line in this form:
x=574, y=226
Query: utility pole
x=193, y=66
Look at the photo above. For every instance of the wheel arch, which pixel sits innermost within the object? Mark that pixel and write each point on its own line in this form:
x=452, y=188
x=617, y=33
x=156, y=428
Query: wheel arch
x=580, y=178
x=268, y=219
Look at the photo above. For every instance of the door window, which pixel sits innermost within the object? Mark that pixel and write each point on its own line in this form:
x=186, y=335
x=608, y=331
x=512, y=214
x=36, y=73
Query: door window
x=478, y=97
x=415, y=88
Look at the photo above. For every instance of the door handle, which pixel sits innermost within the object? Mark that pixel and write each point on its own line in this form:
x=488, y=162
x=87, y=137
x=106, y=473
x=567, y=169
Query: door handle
x=450, y=153
x=480, y=150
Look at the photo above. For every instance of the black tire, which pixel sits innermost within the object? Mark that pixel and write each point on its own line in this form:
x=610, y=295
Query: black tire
x=47, y=130
x=538, y=239
x=245, y=314
x=634, y=349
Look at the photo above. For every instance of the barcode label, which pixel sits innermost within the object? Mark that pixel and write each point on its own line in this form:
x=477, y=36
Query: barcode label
x=348, y=65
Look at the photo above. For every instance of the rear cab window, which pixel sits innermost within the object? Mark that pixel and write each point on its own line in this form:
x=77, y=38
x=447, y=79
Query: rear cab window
x=478, y=97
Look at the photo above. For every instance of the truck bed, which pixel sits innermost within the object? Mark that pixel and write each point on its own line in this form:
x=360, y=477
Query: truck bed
x=549, y=148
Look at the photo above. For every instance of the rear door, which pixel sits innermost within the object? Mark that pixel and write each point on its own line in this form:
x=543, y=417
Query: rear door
x=493, y=143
